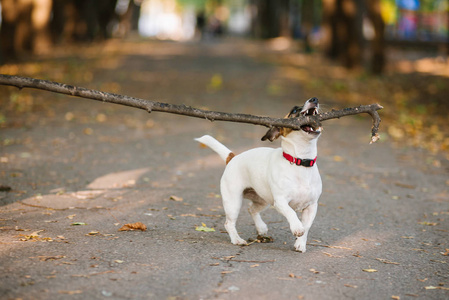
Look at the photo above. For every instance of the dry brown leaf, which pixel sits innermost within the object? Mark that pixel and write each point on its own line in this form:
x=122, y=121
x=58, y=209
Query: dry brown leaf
x=71, y=292
x=436, y=288
x=387, y=261
x=176, y=198
x=428, y=223
x=93, y=232
x=369, y=270
x=332, y=255
x=395, y=297
x=351, y=286
x=45, y=258
x=133, y=226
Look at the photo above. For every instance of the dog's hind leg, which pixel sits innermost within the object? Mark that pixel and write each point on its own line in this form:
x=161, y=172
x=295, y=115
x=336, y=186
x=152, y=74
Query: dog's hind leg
x=232, y=203
x=256, y=206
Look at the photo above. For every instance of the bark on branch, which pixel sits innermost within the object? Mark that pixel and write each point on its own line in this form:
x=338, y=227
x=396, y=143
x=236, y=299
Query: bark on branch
x=149, y=106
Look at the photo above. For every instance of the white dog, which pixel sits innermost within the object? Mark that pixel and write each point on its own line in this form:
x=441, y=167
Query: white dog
x=286, y=177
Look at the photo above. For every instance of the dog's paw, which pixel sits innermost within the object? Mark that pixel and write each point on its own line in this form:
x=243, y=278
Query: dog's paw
x=297, y=230
x=300, y=246
x=262, y=229
x=239, y=241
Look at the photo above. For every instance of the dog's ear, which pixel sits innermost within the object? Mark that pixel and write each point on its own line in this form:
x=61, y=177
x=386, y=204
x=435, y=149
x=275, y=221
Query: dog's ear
x=272, y=134
x=275, y=132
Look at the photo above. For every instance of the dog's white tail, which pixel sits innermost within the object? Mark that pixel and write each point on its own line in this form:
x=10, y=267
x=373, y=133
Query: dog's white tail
x=218, y=147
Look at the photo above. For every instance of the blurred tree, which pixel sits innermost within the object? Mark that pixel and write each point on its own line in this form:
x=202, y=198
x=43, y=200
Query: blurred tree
x=343, y=30
x=24, y=27
x=270, y=18
x=378, y=41
x=343, y=22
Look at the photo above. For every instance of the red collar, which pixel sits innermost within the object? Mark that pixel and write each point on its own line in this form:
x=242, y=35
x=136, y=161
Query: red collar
x=299, y=161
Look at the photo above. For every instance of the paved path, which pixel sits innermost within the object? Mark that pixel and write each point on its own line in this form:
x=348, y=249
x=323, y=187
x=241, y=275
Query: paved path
x=76, y=161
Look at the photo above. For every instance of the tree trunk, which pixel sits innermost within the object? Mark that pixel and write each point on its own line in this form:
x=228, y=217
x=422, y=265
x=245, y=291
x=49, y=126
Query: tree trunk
x=378, y=43
x=40, y=20
x=343, y=33
x=10, y=14
x=270, y=18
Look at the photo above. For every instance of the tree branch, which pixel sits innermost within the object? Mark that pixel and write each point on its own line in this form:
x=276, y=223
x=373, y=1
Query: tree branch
x=149, y=106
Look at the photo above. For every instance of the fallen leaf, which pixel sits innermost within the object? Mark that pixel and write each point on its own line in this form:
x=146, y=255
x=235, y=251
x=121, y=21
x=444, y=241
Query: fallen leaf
x=93, y=233
x=314, y=271
x=189, y=215
x=70, y=217
x=436, y=288
x=71, y=292
x=204, y=228
x=33, y=236
x=351, y=286
x=405, y=185
x=45, y=258
x=395, y=297
x=119, y=261
x=438, y=261
x=176, y=198
x=331, y=255
x=78, y=223
x=428, y=223
x=387, y=261
x=369, y=270
x=261, y=239
x=133, y=226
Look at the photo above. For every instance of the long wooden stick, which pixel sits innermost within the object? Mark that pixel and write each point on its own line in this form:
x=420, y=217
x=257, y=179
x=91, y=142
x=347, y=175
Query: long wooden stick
x=150, y=106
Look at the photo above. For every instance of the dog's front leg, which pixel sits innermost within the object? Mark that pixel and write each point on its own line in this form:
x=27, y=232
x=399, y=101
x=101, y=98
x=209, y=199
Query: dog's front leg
x=308, y=215
x=289, y=213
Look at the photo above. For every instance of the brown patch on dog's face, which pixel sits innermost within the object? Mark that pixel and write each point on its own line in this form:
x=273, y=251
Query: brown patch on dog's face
x=275, y=132
x=310, y=108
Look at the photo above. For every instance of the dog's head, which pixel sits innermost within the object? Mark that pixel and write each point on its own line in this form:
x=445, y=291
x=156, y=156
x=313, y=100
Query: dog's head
x=309, y=131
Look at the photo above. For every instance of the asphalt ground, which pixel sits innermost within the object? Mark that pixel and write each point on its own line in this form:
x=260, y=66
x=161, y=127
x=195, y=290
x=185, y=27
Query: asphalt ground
x=79, y=170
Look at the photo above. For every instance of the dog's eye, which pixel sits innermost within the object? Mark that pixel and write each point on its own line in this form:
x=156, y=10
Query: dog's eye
x=295, y=110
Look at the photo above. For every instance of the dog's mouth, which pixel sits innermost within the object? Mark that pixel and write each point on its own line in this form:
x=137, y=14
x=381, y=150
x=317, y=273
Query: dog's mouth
x=310, y=109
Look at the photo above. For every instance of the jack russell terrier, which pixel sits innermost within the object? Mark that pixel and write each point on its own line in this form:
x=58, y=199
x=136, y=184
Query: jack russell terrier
x=286, y=177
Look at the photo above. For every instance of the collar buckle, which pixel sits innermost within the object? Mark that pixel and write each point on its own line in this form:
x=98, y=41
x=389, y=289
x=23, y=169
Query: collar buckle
x=298, y=161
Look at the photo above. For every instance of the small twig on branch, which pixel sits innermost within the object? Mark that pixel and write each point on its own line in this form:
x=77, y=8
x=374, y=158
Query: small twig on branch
x=149, y=106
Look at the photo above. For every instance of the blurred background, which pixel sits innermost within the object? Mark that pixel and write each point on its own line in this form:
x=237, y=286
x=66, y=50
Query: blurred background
x=351, y=51
x=344, y=29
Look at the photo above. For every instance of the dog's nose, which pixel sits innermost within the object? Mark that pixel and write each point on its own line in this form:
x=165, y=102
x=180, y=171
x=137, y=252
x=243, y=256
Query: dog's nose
x=313, y=100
